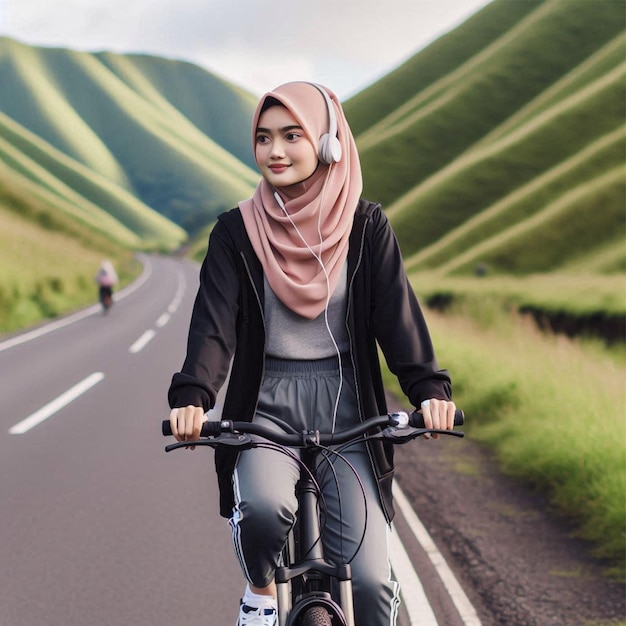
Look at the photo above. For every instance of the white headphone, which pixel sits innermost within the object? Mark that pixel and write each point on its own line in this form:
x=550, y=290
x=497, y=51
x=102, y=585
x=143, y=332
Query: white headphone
x=329, y=150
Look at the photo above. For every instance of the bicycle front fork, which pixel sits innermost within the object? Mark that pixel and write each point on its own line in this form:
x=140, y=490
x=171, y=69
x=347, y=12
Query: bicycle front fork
x=343, y=577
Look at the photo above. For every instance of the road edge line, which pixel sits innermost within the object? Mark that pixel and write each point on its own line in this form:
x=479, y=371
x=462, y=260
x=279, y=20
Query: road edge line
x=459, y=598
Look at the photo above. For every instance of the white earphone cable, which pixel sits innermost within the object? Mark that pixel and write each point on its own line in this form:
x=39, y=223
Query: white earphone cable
x=318, y=258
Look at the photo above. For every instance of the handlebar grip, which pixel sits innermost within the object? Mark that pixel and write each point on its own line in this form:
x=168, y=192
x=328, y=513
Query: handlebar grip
x=208, y=428
x=416, y=419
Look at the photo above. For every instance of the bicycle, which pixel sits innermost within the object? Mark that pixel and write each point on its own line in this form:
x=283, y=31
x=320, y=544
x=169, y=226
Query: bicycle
x=105, y=297
x=310, y=590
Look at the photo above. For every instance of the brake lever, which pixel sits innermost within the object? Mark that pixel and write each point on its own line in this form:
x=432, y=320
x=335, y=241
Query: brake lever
x=408, y=433
x=242, y=441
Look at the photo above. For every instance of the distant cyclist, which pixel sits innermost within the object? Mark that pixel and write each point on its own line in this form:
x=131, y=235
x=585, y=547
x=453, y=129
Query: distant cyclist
x=106, y=279
x=300, y=285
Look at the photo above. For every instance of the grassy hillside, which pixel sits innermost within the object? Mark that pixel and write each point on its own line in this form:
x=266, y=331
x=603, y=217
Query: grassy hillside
x=77, y=190
x=446, y=118
x=509, y=156
x=48, y=255
x=118, y=116
x=398, y=89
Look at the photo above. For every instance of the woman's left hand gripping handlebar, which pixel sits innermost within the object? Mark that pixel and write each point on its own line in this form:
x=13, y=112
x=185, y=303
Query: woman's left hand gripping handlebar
x=438, y=414
x=186, y=423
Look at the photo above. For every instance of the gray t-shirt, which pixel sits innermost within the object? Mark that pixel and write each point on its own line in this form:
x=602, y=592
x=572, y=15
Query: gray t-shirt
x=291, y=336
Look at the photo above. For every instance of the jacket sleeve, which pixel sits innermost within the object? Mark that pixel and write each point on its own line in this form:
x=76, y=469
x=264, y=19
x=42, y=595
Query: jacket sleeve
x=212, y=331
x=398, y=321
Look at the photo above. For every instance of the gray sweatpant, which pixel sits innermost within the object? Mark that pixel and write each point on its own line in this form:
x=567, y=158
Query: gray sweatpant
x=304, y=394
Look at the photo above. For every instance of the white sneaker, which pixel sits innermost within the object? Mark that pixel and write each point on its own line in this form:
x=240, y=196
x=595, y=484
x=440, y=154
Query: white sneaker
x=252, y=616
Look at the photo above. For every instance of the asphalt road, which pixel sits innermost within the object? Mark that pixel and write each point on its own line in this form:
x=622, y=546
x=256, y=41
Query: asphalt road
x=99, y=525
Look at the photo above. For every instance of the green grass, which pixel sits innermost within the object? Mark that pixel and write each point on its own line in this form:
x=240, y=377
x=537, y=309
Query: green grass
x=505, y=154
x=481, y=94
x=482, y=178
x=116, y=116
x=574, y=293
x=523, y=201
x=599, y=64
x=93, y=197
x=543, y=243
x=41, y=282
x=554, y=413
x=435, y=62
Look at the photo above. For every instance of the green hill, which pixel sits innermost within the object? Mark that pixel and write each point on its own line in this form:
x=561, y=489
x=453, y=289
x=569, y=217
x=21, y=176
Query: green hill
x=119, y=117
x=77, y=190
x=101, y=155
x=508, y=155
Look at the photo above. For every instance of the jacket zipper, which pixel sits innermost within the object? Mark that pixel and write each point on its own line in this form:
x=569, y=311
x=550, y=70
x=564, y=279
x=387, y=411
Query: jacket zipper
x=356, y=378
x=258, y=299
x=351, y=343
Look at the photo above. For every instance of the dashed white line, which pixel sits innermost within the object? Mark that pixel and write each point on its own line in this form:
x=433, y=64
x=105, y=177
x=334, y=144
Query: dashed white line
x=56, y=405
x=164, y=319
x=461, y=601
x=141, y=343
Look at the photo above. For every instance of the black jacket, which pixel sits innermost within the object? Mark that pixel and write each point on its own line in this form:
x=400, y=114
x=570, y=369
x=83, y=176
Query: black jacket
x=227, y=322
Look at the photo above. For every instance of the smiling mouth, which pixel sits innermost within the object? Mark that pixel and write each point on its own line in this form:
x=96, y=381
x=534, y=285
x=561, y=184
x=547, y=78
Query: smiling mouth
x=278, y=168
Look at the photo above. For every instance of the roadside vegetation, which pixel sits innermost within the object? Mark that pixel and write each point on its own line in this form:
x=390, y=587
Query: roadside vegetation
x=39, y=282
x=551, y=408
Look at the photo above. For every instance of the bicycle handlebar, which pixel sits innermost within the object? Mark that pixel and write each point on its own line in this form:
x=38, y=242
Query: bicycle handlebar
x=401, y=427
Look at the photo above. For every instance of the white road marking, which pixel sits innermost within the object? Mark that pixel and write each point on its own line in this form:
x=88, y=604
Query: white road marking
x=178, y=296
x=413, y=595
x=164, y=319
x=461, y=601
x=56, y=405
x=141, y=343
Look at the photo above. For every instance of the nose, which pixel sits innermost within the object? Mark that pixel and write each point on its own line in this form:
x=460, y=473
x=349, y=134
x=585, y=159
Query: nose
x=278, y=149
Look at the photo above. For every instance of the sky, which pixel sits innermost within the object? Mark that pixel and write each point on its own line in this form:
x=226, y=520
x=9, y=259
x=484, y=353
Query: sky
x=256, y=44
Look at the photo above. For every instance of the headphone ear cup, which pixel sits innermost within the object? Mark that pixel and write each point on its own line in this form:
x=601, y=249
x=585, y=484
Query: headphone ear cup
x=329, y=150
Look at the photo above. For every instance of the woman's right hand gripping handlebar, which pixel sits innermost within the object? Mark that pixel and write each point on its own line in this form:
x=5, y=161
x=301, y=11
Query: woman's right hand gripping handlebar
x=186, y=423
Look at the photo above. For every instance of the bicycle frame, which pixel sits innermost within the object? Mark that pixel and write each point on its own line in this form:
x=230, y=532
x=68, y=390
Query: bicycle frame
x=314, y=574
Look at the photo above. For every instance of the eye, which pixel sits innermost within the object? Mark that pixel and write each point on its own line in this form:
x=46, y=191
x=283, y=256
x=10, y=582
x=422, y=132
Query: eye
x=262, y=139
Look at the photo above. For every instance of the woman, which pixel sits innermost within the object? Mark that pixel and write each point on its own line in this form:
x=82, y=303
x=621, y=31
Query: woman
x=299, y=286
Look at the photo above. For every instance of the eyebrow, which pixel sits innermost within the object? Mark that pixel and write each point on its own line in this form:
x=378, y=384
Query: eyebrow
x=282, y=130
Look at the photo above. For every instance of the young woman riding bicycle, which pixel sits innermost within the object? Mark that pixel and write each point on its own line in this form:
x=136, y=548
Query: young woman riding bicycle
x=300, y=285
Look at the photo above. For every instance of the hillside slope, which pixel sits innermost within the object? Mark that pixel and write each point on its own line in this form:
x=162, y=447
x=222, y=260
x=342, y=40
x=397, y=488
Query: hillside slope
x=151, y=127
x=508, y=156
x=77, y=190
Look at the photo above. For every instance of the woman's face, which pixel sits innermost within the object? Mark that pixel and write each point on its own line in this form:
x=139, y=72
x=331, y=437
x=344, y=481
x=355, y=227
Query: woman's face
x=283, y=152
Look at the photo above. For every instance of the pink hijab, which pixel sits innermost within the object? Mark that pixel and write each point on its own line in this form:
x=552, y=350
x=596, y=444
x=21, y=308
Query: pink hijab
x=323, y=204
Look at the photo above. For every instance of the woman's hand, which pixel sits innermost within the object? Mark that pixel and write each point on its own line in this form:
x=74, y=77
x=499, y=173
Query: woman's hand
x=438, y=414
x=186, y=423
